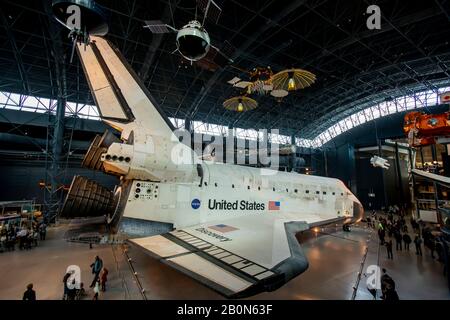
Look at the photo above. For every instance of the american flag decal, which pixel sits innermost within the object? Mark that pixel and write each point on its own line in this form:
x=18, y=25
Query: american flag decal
x=223, y=228
x=274, y=205
x=445, y=97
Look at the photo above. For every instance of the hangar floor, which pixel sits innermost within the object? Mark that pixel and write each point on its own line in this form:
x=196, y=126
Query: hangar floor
x=334, y=257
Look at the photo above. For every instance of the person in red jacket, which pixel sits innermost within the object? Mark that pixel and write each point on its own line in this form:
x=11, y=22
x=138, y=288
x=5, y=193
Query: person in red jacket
x=104, y=278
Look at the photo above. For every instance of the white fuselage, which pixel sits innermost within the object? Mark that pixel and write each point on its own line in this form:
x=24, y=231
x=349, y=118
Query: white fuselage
x=230, y=191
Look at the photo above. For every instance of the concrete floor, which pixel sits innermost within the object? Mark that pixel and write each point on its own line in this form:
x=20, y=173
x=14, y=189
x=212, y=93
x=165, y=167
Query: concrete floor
x=334, y=258
x=46, y=265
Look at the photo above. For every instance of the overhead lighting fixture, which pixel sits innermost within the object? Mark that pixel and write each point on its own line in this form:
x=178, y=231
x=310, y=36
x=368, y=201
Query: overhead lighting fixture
x=240, y=104
x=293, y=79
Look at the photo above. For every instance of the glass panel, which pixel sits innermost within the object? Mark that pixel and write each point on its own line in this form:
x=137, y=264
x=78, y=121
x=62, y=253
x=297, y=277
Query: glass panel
x=348, y=123
x=391, y=107
x=14, y=99
x=30, y=101
x=410, y=103
x=3, y=98
x=431, y=99
x=383, y=109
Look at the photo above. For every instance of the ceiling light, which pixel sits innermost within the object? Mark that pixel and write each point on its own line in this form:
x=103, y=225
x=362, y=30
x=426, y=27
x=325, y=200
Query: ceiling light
x=293, y=79
x=291, y=84
x=240, y=107
x=240, y=104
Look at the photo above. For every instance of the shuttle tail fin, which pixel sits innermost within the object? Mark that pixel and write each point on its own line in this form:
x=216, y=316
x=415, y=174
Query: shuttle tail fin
x=119, y=94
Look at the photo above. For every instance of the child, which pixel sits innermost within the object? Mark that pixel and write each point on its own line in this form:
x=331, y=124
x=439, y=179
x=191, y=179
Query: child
x=96, y=289
x=104, y=278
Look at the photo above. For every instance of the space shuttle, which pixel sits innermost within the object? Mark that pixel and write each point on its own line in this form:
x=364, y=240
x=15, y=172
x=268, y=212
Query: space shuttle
x=231, y=228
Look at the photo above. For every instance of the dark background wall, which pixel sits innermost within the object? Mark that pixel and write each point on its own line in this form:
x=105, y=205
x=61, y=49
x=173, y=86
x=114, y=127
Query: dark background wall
x=20, y=179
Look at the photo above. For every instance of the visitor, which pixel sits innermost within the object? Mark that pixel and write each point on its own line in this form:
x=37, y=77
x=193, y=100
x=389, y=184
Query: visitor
x=381, y=234
x=407, y=241
x=387, y=283
x=3, y=241
x=29, y=239
x=66, y=288
x=388, y=245
x=22, y=236
x=42, y=230
x=432, y=246
x=398, y=240
x=418, y=244
x=35, y=237
x=96, y=266
x=405, y=228
x=104, y=278
x=96, y=289
x=29, y=294
x=10, y=240
x=391, y=295
x=369, y=222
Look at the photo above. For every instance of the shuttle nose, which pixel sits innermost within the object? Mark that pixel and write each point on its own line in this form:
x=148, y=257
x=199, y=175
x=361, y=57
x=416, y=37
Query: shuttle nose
x=358, y=211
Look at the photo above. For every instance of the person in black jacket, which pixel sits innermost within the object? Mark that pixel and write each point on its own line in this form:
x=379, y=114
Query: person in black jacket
x=398, y=240
x=388, y=287
x=406, y=241
x=418, y=244
x=391, y=295
x=388, y=245
x=30, y=294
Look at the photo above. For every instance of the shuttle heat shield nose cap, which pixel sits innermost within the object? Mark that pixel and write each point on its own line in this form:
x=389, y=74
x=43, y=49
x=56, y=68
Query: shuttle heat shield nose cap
x=358, y=211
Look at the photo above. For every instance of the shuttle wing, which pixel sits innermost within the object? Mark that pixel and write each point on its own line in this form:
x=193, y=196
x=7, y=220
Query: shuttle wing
x=237, y=257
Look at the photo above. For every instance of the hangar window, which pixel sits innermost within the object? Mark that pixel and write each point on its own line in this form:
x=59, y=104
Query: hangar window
x=418, y=99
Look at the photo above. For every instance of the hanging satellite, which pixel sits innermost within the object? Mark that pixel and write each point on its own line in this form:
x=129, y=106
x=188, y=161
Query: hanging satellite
x=192, y=40
x=379, y=162
x=82, y=18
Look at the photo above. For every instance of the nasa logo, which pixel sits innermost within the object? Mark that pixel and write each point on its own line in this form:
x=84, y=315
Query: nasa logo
x=195, y=204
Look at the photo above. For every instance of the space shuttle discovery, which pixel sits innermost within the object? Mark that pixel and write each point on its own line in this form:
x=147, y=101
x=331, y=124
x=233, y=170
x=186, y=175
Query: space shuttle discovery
x=233, y=228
